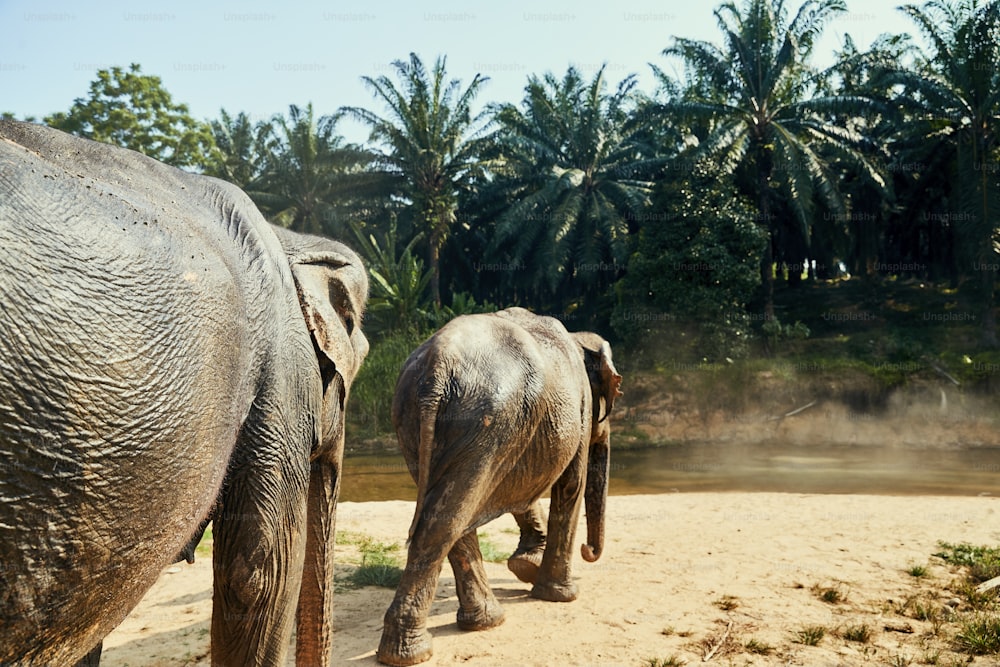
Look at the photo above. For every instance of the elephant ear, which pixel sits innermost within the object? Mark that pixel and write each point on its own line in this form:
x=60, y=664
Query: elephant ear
x=605, y=381
x=330, y=290
x=332, y=287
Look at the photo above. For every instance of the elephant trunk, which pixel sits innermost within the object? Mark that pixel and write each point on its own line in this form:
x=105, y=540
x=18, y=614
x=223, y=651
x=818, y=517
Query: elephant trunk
x=315, y=608
x=314, y=617
x=595, y=498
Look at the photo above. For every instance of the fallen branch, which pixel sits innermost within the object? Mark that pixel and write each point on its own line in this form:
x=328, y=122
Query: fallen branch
x=988, y=585
x=718, y=645
x=945, y=374
x=793, y=412
x=802, y=409
x=904, y=628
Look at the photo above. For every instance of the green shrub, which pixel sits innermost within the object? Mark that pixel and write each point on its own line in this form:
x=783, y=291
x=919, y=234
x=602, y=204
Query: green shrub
x=983, y=562
x=370, y=409
x=980, y=634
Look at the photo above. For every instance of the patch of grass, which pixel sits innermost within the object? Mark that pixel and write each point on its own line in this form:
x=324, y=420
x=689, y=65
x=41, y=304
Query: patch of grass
x=810, y=635
x=757, y=647
x=926, y=612
x=204, y=547
x=727, y=602
x=900, y=660
x=917, y=571
x=831, y=594
x=345, y=537
x=979, y=601
x=492, y=552
x=860, y=633
x=982, y=562
x=672, y=661
x=931, y=658
x=380, y=564
x=920, y=606
x=979, y=634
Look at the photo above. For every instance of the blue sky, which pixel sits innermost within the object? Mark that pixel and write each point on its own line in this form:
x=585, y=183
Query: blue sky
x=260, y=57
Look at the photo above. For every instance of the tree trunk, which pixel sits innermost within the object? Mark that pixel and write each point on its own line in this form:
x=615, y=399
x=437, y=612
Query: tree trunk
x=989, y=271
x=989, y=320
x=767, y=261
x=434, y=259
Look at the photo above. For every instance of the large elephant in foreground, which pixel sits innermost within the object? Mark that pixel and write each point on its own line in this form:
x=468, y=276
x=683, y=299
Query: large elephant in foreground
x=163, y=348
x=490, y=412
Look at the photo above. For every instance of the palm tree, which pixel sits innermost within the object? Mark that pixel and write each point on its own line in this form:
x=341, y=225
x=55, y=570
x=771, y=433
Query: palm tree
x=311, y=178
x=241, y=149
x=951, y=102
x=873, y=208
x=430, y=146
x=762, y=118
x=576, y=171
x=398, y=300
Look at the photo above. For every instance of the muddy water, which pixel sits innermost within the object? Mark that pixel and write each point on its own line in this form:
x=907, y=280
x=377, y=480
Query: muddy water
x=770, y=466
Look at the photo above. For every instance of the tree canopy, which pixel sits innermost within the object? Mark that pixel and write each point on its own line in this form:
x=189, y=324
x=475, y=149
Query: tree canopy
x=134, y=110
x=601, y=203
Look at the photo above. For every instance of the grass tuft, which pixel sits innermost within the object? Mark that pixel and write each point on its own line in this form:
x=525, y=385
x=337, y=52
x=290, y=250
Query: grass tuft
x=979, y=634
x=831, y=594
x=727, y=602
x=860, y=633
x=204, y=548
x=810, y=635
x=672, y=661
x=978, y=600
x=983, y=562
x=380, y=564
x=758, y=647
x=491, y=552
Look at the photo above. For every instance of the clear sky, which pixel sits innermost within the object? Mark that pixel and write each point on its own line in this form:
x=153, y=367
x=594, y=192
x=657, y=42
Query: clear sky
x=260, y=57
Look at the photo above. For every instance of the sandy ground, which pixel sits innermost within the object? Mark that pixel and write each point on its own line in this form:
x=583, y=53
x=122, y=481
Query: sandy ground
x=683, y=576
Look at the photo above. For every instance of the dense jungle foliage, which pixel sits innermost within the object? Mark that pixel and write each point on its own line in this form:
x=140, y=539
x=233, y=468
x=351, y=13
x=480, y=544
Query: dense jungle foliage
x=634, y=213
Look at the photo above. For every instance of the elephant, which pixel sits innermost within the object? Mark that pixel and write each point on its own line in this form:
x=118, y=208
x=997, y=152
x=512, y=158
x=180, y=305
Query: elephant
x=490, y=412
x=165, y=352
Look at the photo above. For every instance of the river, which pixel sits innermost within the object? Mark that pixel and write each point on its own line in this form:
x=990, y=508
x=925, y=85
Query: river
x=771, y=466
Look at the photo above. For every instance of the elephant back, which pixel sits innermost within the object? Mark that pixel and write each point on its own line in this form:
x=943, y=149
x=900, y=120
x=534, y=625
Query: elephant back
x=127, y=361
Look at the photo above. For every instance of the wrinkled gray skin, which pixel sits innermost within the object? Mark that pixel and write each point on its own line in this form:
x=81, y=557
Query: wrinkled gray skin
x=157, y=337
x=491, y=412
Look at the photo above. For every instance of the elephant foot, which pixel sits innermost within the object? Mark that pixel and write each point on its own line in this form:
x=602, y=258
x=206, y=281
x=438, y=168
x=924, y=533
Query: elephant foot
x=400, y=648
x=525, y=565
x=488, y=616
x=554, y=592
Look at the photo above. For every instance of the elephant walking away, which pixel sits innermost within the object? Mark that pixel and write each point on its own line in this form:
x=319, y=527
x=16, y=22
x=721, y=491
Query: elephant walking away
x=163, y=349
x=490, y=412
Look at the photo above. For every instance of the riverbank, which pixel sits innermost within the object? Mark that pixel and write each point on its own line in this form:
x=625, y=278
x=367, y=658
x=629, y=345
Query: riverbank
x=739, y=575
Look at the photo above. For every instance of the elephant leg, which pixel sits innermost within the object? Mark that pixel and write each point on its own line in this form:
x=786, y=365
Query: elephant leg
x=92, y=659
x=553, y=580
x=259, y=532
x=527, y=558
x=478, y=608
x=405, y=638
x=438, y=527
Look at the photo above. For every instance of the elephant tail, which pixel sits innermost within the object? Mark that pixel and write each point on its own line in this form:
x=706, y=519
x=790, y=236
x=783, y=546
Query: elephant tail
x=425, y=448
